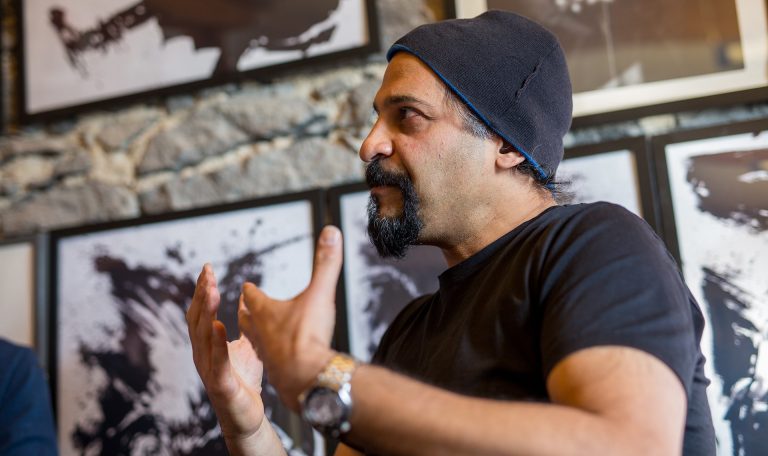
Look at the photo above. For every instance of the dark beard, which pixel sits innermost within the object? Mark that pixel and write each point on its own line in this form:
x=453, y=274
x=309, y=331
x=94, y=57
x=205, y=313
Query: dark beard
x=392, y=236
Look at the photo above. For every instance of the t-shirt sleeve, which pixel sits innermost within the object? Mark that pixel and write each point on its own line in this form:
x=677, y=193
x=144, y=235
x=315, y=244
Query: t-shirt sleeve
x=607, y=279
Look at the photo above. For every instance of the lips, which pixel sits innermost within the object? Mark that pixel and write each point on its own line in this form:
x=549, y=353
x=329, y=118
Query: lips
x=384, y=189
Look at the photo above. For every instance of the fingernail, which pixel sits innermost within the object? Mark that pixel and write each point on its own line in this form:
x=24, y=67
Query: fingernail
x=330, y=235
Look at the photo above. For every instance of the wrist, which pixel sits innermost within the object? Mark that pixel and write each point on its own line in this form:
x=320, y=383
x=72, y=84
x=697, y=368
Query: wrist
x=315, y=359
x=327, y=403
x=263, y=441
x=241, y=416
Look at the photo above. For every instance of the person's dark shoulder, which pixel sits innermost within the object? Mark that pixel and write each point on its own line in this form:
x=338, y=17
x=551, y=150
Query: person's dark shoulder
x=597, y=212
x=401, y=321
x=603, y=225
x=17, y=362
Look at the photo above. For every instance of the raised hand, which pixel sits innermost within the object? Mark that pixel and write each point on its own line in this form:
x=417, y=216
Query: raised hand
x=230, y=371
x=293, y=337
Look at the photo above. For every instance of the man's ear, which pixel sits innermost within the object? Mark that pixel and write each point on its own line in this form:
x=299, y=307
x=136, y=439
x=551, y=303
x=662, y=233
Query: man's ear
x=508, y=156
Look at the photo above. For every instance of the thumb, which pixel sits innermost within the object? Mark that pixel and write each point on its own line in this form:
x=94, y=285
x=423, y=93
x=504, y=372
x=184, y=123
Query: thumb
x=252, y=299
x=327, y=264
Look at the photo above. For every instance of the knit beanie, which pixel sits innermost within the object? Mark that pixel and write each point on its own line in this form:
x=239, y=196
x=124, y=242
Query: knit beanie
x=510, y=72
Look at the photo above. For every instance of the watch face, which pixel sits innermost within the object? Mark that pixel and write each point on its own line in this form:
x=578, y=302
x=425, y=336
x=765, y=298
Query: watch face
x=323, y=407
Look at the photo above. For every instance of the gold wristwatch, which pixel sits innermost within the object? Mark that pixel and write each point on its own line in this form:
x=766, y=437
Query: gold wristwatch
x=327, y=404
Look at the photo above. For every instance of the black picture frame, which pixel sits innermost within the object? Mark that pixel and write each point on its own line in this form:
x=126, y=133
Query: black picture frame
x=105, y=357
x=655, y=82
x=619, y=171
x=67, y=96
x=29, y=276
x=371, y=290
x=713, y=187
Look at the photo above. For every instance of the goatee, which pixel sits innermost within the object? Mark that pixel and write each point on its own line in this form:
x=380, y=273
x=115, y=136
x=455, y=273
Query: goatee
x=392, y=236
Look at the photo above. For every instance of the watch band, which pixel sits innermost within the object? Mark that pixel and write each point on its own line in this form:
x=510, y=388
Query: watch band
x=337, y=372
x=327, y=404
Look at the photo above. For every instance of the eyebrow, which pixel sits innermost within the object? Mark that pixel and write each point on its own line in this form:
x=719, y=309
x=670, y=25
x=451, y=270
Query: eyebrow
x=400, y=99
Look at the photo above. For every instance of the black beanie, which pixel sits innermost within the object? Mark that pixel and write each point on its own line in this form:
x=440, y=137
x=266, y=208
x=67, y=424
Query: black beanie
x=510, y=71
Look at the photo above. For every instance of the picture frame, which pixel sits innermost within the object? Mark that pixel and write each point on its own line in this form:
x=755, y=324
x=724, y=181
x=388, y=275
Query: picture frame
x=619, y=171
x=631, y=59
x=713, y=184
x=121, y=367
x=23, y=279
x=371, y=290
x=87, y=54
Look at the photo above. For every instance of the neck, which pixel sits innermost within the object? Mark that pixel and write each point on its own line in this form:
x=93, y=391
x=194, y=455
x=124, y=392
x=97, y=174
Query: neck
x=496, y=225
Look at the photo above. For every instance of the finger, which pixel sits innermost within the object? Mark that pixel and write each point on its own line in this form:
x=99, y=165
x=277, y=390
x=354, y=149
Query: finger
x=244, y=320
x=252, y=298
x=193, y=313
x=220, y=364
x=209, y=304
x=327, y=265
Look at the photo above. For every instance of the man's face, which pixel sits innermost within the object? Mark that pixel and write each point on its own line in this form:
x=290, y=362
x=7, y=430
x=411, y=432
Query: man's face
x=425, y=169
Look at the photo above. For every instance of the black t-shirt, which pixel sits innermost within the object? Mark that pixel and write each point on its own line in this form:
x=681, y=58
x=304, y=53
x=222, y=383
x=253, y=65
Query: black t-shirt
x=573, y=277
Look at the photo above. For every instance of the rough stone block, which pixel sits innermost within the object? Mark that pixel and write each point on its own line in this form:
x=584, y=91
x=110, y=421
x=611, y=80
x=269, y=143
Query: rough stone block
x=310, y=163
x=203, y=134
x=61, y=207
x=118, y=131
x=31, y=171
x=76, y=163
x=36, y=145
x=264, y=116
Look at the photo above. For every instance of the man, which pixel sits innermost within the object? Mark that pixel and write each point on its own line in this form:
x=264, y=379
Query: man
x=26, y=418
x=556, y=330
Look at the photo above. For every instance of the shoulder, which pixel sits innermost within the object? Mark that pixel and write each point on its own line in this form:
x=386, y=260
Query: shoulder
x=592, y=214
x=16, y=360
x=26, y=419
x=399, y=325
x=598, y=226
x=411, y=310
x=20, y=369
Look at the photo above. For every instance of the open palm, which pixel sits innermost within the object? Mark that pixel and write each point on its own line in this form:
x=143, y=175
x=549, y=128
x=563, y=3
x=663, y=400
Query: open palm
x=230, y=371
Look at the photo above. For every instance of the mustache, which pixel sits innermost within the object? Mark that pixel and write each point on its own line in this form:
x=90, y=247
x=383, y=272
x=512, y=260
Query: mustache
x=377, y=176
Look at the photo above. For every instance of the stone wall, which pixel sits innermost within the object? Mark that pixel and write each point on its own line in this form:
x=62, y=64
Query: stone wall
x=223, y=144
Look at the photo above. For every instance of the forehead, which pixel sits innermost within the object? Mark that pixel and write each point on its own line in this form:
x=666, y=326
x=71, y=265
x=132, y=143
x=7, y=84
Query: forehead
x=406, y=75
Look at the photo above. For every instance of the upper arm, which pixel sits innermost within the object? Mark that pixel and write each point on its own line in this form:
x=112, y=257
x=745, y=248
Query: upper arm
x=343, y=450
x=634, y=390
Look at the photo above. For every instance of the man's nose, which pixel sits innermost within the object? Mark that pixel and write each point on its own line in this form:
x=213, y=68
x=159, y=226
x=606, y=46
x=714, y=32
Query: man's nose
x=377, y=144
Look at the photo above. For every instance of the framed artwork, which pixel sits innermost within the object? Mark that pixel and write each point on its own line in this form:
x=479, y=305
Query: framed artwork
x=618, y=172
x=631, y=59
x=714, y=191
x=122, y=373
x=88, y=53
x=372, y=290
x=23, y=281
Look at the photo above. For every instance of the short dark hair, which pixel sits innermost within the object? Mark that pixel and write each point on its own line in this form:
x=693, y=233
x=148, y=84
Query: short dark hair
x=478, y=128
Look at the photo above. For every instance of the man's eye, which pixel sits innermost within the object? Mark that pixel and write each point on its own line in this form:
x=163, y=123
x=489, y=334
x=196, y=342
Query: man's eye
x=406, y=113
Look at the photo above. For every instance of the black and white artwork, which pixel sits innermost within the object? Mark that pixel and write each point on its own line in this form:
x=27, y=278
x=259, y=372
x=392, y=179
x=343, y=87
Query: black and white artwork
x=125, y=382
x=17, y=280
x=624, y=54
x=610, y=176
x=718, y=187
x=376, y=289
x=616, y=171
x=78, y=52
